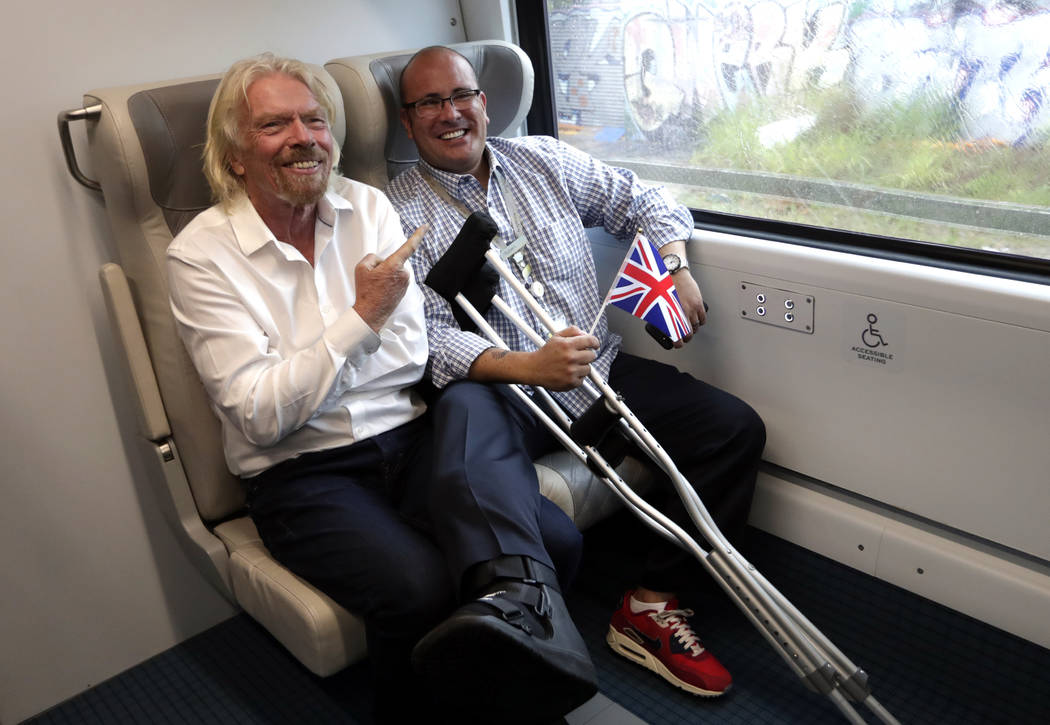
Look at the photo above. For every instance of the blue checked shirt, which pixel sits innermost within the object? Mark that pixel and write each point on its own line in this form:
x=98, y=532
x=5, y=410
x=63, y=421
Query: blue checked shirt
x=557, y=192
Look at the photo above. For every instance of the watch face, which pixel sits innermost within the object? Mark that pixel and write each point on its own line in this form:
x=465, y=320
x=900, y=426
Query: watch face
x=672, y=262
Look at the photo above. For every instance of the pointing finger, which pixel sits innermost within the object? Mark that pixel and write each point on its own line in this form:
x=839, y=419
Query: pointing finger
x=402, y=253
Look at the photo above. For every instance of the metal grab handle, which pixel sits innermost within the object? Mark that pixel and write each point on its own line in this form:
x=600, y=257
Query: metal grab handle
x=91, y=113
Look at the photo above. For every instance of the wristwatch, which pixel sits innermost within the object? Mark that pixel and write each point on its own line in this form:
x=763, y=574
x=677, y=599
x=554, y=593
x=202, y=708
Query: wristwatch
x=672, y=262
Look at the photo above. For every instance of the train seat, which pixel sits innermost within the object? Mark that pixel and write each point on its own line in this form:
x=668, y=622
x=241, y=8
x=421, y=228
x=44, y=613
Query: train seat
x=145, y=145
x=377, y=149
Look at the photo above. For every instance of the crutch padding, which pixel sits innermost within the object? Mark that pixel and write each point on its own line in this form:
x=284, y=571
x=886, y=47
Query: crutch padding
x=462, y=269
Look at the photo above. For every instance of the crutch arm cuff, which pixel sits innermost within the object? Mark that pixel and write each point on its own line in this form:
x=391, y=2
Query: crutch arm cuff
x=464, y=257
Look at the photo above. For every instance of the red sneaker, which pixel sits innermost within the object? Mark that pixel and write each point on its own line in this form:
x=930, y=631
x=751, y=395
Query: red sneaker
x=666, y=644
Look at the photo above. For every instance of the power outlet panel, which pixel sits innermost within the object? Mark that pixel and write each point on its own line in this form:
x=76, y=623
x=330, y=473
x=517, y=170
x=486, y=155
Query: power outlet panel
x=780, y=307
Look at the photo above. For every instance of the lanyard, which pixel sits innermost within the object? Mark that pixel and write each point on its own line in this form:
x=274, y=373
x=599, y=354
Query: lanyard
x=442, y=193
x=500, y=180
x=515, y=251
x=507, y=251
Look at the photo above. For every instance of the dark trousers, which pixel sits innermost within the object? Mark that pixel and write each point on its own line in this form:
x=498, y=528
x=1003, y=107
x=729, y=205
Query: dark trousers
x=715, y=440
x=387, y=526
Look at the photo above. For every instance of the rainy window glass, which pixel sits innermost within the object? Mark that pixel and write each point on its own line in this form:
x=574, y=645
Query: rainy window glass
x=919, y=120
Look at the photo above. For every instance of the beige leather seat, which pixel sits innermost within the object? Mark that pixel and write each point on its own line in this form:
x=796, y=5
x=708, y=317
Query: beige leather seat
x=145, y=148
x=145, y=144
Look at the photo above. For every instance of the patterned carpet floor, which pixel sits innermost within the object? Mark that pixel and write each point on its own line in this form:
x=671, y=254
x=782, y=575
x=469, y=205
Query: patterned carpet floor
x=926, y=663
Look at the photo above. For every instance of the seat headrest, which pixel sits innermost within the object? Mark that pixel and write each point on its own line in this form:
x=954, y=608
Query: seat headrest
x=378, y=148
x=170, y=122
x=146, y=151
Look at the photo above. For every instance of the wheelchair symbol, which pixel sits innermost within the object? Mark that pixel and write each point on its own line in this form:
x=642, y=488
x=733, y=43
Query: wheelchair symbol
x=871, y=337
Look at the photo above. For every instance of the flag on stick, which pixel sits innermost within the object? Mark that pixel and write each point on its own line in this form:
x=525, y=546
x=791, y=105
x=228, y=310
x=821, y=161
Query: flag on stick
x=644, y=288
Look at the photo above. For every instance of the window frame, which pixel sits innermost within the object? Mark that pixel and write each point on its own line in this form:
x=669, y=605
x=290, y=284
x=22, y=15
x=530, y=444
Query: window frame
x=534, y=39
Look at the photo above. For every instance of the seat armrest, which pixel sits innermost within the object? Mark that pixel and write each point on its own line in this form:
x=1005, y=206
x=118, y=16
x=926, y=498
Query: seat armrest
x=124, y=319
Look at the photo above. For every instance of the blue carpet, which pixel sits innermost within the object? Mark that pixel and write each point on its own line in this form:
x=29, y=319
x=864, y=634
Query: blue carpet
x=927, y=664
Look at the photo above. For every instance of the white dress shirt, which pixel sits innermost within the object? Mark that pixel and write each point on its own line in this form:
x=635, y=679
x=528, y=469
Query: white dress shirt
x=289, y=365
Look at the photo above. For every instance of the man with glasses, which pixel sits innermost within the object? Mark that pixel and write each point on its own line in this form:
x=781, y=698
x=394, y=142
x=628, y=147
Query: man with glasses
x=294, y=300
x=542, y=194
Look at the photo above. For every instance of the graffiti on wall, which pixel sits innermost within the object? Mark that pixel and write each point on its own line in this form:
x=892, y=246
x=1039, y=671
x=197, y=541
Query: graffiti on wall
x=587, y=54
x=677, y=63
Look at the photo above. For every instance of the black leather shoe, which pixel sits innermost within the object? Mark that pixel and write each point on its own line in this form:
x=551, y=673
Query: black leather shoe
x=512, y=654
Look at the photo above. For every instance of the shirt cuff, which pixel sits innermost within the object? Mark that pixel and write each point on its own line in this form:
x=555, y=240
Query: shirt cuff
x=665, y=235
x=459, y=355
x=352, y=338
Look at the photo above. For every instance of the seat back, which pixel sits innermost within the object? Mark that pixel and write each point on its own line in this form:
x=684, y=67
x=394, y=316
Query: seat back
x=377, y=148
x=146, y=151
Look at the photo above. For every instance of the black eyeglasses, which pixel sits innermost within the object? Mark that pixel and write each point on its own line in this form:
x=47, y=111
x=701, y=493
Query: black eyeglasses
x=430, y=106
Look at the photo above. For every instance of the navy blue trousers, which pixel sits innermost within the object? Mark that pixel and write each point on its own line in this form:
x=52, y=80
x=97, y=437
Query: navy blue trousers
x=716, y=441
x=714, y=438
x=388, y=526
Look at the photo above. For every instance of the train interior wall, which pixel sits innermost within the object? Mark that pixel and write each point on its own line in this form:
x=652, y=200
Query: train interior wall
x=935, y=459
x=95, y=581
x=906, y=427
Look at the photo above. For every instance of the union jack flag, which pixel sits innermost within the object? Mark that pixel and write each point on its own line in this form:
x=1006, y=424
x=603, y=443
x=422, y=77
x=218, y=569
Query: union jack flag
x=645, y=289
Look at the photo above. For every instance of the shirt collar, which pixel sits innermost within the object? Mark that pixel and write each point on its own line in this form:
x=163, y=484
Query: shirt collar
x=252, y=233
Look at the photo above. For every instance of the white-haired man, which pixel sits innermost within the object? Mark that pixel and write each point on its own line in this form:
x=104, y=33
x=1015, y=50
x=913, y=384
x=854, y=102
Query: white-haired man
x=295, y=303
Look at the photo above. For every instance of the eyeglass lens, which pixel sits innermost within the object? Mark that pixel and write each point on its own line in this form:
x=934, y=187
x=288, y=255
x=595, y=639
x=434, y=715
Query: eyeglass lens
x=432, y=106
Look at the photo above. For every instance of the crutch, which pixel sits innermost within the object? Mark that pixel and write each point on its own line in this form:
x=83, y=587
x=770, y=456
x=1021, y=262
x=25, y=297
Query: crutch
x=462, y=278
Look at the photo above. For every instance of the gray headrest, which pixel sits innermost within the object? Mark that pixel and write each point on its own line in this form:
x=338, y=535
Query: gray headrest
x=377, y=146
x=170, y=124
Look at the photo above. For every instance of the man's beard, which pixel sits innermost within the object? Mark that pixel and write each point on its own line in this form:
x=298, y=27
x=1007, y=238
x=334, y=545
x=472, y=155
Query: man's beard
x=303, y=190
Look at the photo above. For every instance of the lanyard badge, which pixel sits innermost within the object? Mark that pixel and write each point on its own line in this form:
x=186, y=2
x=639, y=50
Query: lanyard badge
x=515, y=251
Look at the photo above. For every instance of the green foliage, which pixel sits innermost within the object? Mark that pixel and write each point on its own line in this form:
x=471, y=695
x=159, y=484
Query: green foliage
x=863, y=220
x=909, y=146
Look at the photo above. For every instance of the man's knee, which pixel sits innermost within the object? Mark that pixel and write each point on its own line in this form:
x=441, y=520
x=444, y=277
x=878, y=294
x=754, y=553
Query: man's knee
x=463, y=396
x=416, y=593
x=752, y=429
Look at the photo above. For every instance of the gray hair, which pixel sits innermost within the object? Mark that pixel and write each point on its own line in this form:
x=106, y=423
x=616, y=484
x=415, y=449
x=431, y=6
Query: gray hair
x=226, y=116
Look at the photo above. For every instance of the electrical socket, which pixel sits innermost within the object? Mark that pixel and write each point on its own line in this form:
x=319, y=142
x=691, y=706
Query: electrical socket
x=773, y=306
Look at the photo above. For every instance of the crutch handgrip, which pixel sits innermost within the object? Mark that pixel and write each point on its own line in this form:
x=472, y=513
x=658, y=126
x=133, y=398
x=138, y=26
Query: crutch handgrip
x=591, y=427
x=599, y=427
x=462, y=269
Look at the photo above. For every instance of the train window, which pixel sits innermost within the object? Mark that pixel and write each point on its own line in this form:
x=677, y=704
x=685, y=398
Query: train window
x=924, y=121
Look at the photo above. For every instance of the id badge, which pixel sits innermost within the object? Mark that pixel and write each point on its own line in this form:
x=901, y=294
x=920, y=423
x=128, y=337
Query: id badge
x=509, y=250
